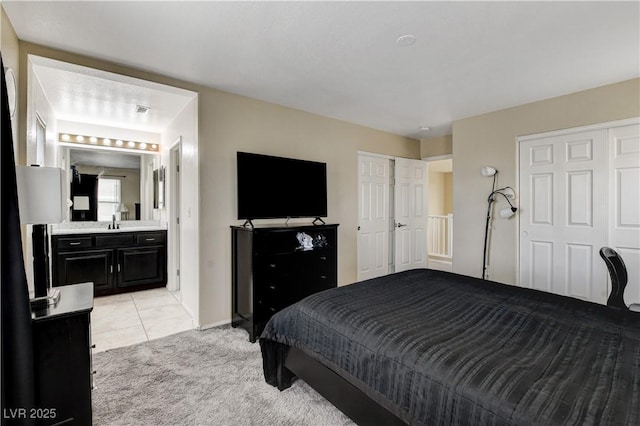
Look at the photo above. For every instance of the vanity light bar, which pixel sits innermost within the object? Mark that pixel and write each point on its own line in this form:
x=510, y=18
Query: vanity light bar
x=69, y=138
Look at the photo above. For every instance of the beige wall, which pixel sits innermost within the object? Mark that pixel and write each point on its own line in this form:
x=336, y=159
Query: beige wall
x=440, y=193
x=436, y=193
x=434, y=147
x=490, y=139
x=10, y=58
x=448, y=193
x=228, y=123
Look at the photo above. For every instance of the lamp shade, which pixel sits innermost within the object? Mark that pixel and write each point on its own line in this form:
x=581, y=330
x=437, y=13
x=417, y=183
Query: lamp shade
x=41, y=194
x=507, y=213
x=81, y=203
x=122, y=208
x=488, y=171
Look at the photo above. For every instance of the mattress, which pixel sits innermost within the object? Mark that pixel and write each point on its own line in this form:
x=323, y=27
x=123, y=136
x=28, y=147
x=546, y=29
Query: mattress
x=440, y=348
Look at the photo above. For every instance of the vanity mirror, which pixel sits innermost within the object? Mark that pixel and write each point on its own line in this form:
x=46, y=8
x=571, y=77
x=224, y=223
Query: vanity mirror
x=104, y=183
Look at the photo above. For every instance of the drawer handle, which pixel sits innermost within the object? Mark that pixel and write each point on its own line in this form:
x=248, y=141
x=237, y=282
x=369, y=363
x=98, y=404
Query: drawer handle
x=272, y=309
x=111, y=269
x=324, y=277
x=149, y=239
x=323, y=257
x=272, y=287
x=118, y=267
x=272, y=265
x=75, y=243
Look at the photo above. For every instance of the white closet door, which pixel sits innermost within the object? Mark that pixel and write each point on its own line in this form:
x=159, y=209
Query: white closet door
x=374, y=180
x=624, y=203
x=410, y=214
x=563, y=214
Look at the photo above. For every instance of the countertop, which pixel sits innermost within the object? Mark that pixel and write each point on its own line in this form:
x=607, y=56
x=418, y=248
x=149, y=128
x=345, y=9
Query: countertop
x=104, y=230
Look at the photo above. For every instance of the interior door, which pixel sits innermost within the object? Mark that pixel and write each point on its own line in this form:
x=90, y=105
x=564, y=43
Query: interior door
x=374, y=180
x=624, y=203
x=410, y=214
x=563, y=214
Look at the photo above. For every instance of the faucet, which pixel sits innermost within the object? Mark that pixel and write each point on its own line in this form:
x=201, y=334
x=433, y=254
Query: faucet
x=113, y=217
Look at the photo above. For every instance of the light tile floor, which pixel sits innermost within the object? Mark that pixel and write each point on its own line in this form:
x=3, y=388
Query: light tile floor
x=129, y=318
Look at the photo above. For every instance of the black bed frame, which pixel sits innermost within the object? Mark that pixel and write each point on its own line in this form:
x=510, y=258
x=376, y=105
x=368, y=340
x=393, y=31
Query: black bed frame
x=343, y=395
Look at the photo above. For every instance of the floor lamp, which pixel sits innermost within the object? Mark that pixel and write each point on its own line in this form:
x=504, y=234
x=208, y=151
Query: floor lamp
x=40, y=200
x=508, y=193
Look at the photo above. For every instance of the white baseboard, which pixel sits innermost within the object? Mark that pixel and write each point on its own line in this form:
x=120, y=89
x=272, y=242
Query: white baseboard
x=215, y=324
x=440, y=265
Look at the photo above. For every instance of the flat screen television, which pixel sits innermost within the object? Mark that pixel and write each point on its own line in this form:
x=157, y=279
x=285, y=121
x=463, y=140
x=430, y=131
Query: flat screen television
x=276, y=187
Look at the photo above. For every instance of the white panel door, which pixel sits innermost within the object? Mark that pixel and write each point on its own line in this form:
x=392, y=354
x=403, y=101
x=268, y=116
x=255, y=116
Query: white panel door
x=374, y=182
x=410, y=214
x=624, y=203
x=563, y=214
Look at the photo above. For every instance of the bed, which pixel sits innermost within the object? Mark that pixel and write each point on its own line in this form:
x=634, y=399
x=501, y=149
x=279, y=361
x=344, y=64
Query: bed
x=432, y=347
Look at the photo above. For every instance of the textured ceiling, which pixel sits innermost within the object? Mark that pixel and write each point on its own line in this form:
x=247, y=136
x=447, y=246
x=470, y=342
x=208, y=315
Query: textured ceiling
x=340, y=59
x=86, y=95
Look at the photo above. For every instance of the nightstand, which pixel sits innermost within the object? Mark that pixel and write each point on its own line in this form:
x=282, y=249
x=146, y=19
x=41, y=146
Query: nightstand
x=62, y=357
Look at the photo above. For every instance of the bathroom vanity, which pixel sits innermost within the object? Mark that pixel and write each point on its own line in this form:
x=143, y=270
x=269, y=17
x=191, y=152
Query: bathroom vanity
x=115, y=261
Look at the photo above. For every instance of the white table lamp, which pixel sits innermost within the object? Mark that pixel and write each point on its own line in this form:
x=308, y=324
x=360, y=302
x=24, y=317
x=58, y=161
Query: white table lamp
x=41, y=195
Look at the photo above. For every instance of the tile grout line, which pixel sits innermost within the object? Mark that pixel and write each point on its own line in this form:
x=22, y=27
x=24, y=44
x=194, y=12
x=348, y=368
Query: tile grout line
x=95, y=334
x=140, y=317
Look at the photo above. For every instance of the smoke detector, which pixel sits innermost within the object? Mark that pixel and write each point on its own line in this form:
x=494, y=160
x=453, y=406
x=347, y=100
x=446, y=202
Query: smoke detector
x=406, y=40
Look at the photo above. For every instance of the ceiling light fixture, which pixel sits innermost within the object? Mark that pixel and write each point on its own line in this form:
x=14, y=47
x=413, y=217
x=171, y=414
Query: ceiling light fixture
x=405, y=40
x=105, y=143
x=424, y=128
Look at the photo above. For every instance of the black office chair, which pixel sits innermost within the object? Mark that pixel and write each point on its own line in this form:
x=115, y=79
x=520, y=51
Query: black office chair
x=618, y=273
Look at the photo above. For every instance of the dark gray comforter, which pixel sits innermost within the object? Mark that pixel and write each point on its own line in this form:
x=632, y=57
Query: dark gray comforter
x=441, y=348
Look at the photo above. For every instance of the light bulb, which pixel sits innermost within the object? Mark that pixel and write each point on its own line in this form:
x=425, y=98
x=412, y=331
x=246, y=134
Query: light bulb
x=507, y=213
x=488, y=171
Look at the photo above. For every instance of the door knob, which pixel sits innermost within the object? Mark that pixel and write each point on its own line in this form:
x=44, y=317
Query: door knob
x=400, y=225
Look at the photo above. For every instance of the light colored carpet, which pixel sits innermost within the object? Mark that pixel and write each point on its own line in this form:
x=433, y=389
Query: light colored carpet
x=211, y=377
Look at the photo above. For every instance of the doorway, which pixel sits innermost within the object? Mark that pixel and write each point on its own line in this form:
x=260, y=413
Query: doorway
x=440, y=219
x=392, y=210
x=111, y=119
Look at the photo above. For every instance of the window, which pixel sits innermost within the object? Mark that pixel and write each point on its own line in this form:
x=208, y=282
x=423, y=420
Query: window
x=108, y=198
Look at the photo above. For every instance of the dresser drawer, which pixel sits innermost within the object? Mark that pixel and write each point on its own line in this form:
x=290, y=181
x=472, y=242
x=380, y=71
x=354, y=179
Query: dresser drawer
x=150, y=238
x=74, y=243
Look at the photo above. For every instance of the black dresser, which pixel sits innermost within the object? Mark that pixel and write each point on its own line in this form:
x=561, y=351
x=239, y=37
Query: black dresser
x=276, y=266
x=62, y=358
